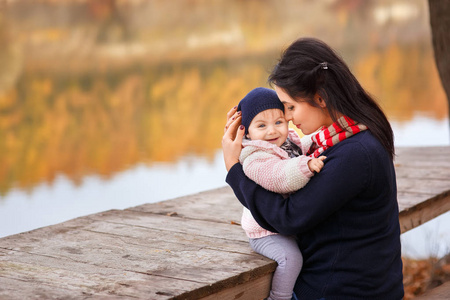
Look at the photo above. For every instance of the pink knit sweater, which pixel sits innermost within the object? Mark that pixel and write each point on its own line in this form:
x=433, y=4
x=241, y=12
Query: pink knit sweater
x=270, y=166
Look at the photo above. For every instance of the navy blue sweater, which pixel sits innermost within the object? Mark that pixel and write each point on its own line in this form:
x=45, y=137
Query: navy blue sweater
x=345, y=219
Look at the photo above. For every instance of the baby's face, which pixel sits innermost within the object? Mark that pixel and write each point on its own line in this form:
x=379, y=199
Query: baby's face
x=270, y=126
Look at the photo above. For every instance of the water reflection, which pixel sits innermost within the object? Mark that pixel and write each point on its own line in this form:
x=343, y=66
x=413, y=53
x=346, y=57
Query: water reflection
x=63, y=200
x=91, y=91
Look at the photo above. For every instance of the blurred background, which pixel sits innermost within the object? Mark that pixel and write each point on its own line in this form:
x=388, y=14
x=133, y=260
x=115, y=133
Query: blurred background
x=109, y=104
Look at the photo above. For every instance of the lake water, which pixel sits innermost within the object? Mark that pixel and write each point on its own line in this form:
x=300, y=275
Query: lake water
x=112, y=104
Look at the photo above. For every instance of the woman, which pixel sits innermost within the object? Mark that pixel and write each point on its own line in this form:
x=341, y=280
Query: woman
x=346, y=218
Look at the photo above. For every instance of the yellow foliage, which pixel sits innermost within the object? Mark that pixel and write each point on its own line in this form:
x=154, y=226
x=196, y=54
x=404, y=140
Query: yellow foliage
x=108, y=94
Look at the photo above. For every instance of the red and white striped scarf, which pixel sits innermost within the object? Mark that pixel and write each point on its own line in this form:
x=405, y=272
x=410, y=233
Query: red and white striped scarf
x=334, y=134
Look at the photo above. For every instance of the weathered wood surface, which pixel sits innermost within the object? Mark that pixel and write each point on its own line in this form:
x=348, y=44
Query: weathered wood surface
x=185, y=248
x=423, y=184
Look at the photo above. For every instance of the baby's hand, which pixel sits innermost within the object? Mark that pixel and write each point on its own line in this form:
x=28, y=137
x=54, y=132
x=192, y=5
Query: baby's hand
x=316, y=164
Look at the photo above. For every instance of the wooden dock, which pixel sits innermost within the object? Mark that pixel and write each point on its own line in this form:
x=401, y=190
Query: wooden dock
x=186, y=248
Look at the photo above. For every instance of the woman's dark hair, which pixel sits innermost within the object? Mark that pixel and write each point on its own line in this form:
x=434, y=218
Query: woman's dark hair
x=309, y=66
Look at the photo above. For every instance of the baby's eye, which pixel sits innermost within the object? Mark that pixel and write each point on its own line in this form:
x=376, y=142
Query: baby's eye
x=279, y=122
x=261, y=125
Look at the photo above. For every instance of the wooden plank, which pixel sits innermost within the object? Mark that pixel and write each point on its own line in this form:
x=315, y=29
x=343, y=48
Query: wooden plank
x=218, y=205
x=174, y=224
x=156, y=257
x=113, y=284
x=407, y=200
x=423, y=184
x=431, y=172
x=249, y=283
x=194, y=267
x=423, y=212
x=150, y=234
x=428, y=186
x=13, y=289
x=46, y=273
x=251, y=290
x=422, y=153
x=48, y=280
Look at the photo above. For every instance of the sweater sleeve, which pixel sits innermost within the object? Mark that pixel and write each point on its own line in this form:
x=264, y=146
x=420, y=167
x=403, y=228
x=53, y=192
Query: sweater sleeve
x=273, y=172
x=345, y=175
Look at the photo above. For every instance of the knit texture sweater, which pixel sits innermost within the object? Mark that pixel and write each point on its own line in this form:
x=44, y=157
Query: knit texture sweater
x=345, y=219
x=271, y=167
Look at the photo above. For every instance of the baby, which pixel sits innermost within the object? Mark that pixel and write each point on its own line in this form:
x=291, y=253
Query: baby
x=272, y=157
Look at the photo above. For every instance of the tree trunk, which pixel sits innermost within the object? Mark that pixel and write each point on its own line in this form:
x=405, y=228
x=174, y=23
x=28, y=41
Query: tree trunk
x=440, y=31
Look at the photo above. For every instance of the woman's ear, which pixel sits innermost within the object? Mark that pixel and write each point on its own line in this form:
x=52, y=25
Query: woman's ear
x=319, y=100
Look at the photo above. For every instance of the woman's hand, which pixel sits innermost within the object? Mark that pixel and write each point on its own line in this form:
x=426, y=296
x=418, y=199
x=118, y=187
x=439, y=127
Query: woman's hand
x=232, y=138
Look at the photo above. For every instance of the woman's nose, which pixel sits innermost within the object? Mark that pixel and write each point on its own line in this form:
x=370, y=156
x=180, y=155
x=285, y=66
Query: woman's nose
x=288, y=116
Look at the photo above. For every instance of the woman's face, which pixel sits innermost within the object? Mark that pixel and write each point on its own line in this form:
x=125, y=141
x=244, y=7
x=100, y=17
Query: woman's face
x=307, y=118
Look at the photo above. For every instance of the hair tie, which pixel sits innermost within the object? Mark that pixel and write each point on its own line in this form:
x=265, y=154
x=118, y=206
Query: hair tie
x=324, y=65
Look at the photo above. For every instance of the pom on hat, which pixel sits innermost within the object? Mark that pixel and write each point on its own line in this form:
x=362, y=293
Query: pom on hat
x=256, y=101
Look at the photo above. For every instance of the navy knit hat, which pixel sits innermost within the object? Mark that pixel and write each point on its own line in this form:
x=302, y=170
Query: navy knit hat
x=256, y=101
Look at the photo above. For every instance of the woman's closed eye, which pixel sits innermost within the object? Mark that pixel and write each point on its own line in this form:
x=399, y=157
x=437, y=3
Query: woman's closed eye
x=290, y=108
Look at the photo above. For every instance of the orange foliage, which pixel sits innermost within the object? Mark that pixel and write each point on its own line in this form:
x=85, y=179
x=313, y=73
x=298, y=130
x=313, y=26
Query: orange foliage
x=102, y=125
x=405, y=80
x=124, y=82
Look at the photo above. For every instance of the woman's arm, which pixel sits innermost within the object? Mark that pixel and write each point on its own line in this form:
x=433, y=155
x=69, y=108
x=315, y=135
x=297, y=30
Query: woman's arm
x=346, y=175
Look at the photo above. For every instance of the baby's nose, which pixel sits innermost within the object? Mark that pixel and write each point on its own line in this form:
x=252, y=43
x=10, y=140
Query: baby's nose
x=271, y=129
